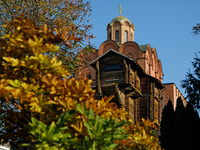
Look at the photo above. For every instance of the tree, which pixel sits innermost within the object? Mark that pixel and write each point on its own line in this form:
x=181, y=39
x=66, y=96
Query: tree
x=23, y=65
x=186, y=129
x=192, y=84
x=196, y=29
x=192, y=81
x=34, y=84
x=73, y=14
x=180, y=128
x=165, y=127
x=36, y=89
x=191, y=129
x=177, y=127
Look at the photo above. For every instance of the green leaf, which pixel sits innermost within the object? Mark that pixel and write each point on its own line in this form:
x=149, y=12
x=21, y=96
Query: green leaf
x=89, y=129
x=52, y=128
x=65, y=117
x=91, y=113
x=112, y=146
x=80, y=109
x=25, y=144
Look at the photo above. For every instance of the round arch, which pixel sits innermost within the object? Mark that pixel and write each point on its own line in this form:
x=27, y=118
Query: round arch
x=130, y=49
x=107, y=45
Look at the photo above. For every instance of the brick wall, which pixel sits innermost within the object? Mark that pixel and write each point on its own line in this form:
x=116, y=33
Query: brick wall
x=171, y=92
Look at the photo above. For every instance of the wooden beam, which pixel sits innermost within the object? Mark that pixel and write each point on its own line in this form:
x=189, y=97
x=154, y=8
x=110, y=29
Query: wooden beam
x=130, y=93
x=129, y=68
x=126, y=71
x=98, y=78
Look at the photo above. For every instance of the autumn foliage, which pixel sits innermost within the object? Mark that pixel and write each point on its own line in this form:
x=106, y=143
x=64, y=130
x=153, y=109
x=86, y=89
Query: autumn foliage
x=73, y=14
x=38, y=91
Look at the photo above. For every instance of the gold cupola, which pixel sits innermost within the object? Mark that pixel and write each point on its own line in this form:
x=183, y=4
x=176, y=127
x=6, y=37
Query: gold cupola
x=120, y=30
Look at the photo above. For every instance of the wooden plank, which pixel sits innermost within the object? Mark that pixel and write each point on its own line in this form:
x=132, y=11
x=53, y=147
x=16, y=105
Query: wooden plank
x=98, y=78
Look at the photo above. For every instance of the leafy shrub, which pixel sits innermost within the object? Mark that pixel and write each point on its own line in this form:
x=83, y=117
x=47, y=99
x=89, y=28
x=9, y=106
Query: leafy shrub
x=62, y=113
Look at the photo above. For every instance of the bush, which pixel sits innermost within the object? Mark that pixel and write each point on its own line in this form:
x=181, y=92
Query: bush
x=60, y=111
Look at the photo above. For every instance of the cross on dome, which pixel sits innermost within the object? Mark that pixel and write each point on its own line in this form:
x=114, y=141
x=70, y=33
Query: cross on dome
x=120, y=9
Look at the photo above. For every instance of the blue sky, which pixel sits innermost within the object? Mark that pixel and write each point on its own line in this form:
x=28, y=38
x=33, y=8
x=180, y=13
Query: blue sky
x=164, y=24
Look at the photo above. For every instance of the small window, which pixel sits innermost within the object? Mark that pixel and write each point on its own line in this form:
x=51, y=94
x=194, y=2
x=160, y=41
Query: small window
x=125, y=36
x=131, y=37
x=114, y=67
x=89, y=76
x=116, y=36
x=110, y=36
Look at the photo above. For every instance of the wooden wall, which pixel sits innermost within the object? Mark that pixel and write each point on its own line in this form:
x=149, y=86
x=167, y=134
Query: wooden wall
x=111, y=76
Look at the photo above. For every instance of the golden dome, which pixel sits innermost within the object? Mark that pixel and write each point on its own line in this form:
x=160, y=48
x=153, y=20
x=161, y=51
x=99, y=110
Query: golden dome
x=121, y=19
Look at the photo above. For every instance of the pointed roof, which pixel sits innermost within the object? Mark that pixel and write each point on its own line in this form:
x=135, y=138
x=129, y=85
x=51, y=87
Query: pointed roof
x=144, y=47
x=128, y=58
x=133, y=62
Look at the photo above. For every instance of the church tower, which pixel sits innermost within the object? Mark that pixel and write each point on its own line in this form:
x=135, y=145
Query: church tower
x=131, y=72
x=120, y=30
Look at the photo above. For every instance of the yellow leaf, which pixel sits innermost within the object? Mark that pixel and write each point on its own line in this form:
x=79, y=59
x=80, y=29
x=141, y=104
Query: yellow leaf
x=15, y=62
x=19, y=39
x=53, y=90
x=57, y=31
x=44, y=79
x=14, y=83
x=40, y=40
x=31, y=42
x=79, y=129
x=35, y=107
x=56, y=48
x=19, y=28
x=9, y=88
x=8, y=59
x=25, y=86
x=45, y=28
x=55, y=64
x=17, y=92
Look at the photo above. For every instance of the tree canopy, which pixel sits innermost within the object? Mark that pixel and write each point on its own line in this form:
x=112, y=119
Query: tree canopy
x=192, y=84
x=73, y=14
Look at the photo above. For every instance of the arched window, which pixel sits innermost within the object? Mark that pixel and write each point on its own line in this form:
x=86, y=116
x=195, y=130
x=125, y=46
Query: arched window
x=116, y=36
x=110, y=36
x=125, y=36
x=131, y=37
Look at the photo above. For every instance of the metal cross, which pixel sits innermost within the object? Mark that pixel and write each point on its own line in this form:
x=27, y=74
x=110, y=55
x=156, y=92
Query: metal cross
x=120, y=9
